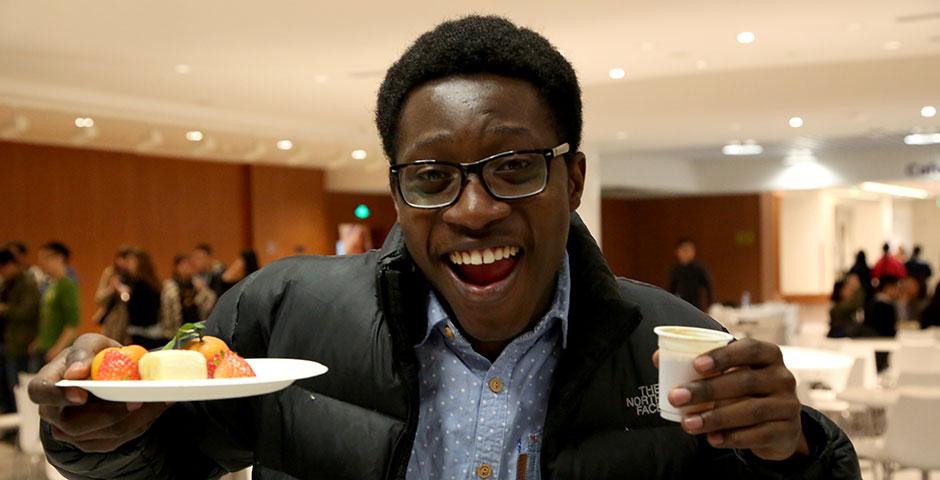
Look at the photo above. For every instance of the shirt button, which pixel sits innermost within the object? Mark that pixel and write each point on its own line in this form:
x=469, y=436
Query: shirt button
x=496, y=385
x=448, y=332
x=484, y=471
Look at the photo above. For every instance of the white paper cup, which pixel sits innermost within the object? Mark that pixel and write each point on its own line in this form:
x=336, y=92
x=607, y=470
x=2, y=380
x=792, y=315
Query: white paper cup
x=678, y=347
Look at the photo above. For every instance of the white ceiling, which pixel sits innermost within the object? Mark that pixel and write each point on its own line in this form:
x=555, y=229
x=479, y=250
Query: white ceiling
x=308, y=71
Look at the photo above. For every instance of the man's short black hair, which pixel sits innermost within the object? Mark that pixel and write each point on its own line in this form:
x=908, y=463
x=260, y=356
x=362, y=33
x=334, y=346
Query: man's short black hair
x=886, y=247
x=482, y=44
x=16, y=247
x=685, y=241
x=205, y=247
x=916, y=252
x=58, y=248
x=6, y=256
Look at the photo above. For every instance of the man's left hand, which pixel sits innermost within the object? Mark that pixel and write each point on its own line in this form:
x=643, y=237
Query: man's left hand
x=752, y=397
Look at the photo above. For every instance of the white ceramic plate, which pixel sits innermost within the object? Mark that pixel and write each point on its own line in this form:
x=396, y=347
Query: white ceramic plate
x=273, y=374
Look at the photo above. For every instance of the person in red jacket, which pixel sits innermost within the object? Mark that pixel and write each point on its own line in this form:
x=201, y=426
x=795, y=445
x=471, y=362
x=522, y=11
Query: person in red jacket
x=888, y=265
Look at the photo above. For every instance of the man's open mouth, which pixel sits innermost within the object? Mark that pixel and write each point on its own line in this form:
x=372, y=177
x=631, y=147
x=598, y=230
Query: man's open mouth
x=484, y=266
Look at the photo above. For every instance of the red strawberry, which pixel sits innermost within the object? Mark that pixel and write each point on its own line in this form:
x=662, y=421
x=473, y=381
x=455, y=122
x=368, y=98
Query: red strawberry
x=233, y=366
x=117, y=366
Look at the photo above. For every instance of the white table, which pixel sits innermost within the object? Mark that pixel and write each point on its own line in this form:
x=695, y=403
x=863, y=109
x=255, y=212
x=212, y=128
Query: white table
x=811, y=365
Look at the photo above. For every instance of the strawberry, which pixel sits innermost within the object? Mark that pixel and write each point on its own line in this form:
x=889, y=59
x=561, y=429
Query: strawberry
x=115, y=365
x=233, y=366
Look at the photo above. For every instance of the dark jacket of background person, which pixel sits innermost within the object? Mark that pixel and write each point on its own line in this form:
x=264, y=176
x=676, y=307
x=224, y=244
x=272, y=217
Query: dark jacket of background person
x=143, y=311
x=362, y=315
x=917, y=268
x=881, y=318
x=844, y=310
x=931, y=315
x=21, y=319
x=692, y=283
x=861, y=270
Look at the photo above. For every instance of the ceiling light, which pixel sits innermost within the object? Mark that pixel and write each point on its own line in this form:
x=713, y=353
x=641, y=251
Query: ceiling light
x=616, y=73
x=895, y=190
x=922, y=139
x=745, y=38
x=320, y=78
x=928, y=112
x=182, y=69
x=701, y=64
x=84, y=122
x=749, y=147
x=285, y=144
x=194, y=136
x=359, y=154
x=799, y=155
x=796, y=122
x=891, y=45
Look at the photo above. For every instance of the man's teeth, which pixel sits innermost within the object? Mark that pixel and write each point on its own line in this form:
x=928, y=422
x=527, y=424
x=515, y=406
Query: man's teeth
x=485, y=256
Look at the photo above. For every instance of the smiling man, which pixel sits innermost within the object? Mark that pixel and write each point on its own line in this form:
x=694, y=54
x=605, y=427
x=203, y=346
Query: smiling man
x=486, y=339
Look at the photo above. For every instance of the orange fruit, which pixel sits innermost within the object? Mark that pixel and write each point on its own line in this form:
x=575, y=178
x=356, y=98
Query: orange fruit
x=210, y=347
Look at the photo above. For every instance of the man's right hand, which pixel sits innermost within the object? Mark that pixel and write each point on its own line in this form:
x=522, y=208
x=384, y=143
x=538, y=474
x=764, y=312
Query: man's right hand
x=90, y=424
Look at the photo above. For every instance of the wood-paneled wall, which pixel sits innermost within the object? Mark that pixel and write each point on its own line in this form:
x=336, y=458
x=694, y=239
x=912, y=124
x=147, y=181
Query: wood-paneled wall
x=639, y=237
x=94, y=201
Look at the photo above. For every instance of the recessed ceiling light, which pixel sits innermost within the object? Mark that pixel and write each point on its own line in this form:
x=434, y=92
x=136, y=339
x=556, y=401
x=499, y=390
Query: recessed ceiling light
x=922, y=139
x=616, y=73
x=799, y=155
x=749, y=147
x=84, y=122
x=701, y=64
x=285, y=144
x=359, y=154
x=320, y=78
x=745, y=38
x=796, y=122
x=194, y=136
x=891, y=45
x=928, y=112
x=182, y=69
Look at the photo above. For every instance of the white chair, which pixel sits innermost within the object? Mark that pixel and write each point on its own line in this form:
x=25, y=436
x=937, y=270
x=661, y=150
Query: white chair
x=864, y=373
x=916, y=357
x=907, y=443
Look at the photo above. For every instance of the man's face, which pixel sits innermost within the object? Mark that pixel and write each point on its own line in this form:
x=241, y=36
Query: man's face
x=200, y=260
x=685, y=253
x=184, y=269
x=464, y=119
x=49, y=262
x=9, y=270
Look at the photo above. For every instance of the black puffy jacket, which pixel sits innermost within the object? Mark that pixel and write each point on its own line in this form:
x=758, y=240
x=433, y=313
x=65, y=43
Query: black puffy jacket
x=361, y=316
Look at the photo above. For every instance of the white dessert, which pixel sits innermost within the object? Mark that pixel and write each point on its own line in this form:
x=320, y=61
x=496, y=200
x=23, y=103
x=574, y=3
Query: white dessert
x=173, y=365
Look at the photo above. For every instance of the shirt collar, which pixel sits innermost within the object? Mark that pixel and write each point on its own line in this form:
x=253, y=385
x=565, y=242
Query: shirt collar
x=438, y=318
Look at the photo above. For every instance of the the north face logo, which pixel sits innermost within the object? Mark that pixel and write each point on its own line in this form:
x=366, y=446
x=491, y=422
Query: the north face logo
x=647, y=402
